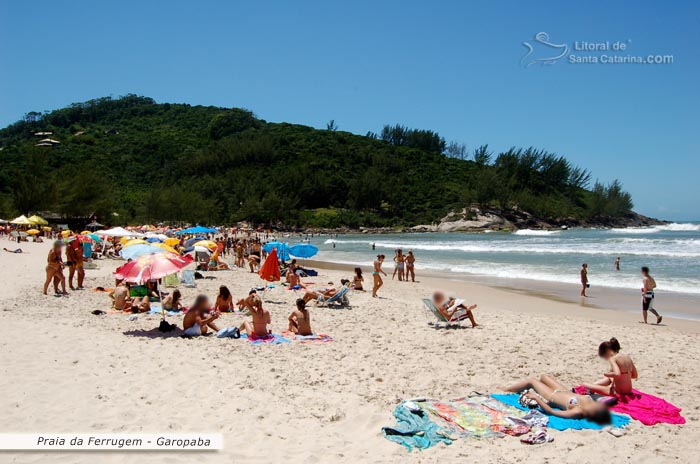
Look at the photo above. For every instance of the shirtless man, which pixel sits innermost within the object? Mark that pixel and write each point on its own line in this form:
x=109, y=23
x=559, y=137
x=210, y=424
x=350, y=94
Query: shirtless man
x=75, y=257
x=584, y=279
x=261, y=319
x=648, y=286
x=325, y=292
x=196, y=322
x=300, y=320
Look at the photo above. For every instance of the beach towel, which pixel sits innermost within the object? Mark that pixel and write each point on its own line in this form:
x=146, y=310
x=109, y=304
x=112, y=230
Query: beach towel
x=316, y=338
x=560, y=423
x=414, y=428
x=647, y=409
x=157, y=309
x=478, y=416
x=272, y=339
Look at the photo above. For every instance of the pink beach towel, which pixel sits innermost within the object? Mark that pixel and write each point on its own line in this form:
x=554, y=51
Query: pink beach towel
x=647, y=409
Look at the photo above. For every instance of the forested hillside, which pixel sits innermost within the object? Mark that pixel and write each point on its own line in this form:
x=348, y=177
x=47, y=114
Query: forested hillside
x=151, y=162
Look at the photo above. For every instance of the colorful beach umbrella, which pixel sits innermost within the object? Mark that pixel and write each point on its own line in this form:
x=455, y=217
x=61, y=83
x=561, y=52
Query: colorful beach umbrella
x=38, y=220
x=172, y=241
x=304, y=250
x=282, y=249
x=153, y=266
x=32, y=232
x=138, y=250
x=136, y=241
x=270, y=270
x=196, y=230
x=206, y=243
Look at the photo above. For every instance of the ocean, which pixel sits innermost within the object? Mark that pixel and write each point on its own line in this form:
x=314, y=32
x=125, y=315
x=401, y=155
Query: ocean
x=671, y=251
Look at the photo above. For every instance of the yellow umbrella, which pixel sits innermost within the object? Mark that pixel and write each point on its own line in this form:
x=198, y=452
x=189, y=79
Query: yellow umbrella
x=172, y=241
x=46, y=229
x=206, y=243
x=166, y=247
x=66, y=233
x=85, y=232
x=136, y=241
x=32, y=232
x=38, y=220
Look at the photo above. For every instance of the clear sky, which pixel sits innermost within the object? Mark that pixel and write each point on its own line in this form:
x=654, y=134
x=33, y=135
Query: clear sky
x=450, y=66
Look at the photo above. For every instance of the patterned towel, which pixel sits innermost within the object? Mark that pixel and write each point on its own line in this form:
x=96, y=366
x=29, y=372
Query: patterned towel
x=272, y=339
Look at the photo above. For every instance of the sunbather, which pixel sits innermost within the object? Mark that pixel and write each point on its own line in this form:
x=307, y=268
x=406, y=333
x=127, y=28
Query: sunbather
x=557, y=400
x=449, y=306
x=215, y=263
x=173, y=301
x=16, y=250
x=140, y=304
x=326, y=293
x=198, y=320
x=300, y=319
x=358, y=280
x=120, y=296
x=224, y=300
x=261, y=319
x=618, y=380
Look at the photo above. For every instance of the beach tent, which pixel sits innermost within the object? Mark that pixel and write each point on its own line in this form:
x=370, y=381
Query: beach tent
x=118, y=232
x=21, y=221
x=38, y=220
x=196, y=230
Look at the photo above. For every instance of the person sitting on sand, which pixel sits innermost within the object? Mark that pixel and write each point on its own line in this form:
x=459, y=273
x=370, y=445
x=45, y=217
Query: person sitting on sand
x=120, y=296
x=16, y=250
x=449, y=306
x=618, y=380
x=224, y=300
x=261, y=319
x=300, y=319
x=173, y=301
x=556, y=399
x=358, y=280
x=326, y=293
x=198, y=321
x=215, y=263
x=54, y=269
x=140, y=304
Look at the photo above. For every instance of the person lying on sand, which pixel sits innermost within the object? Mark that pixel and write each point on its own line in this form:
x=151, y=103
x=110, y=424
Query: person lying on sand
x=198, y=321
x=16, y=250
x=140, y=304
x=556, y=399
x=326, y=293
x=215, y=263
x=449, y=306
x=618, y=380
x=300, y=319
x=261, y=319
x=120, y=297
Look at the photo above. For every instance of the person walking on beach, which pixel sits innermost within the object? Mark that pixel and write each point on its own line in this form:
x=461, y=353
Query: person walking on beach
x=617, y=263
x=648, y=286
x=378, y=282
x=584, y=279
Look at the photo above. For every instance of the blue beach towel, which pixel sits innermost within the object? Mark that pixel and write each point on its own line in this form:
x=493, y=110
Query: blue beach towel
x=560, y=423
x=414, y=429
x=272, y=339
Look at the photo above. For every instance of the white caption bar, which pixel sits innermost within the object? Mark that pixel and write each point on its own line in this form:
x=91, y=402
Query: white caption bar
x=110, y=441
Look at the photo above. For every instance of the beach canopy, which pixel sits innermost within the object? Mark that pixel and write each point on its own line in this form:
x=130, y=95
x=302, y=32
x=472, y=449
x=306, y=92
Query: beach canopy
x=304, y=250
x=21, y=221
x=118, y=232
x=196, y=230
x=151, y=267
x=270, y=270
x=282, y=249
x=94, y=225
x=192, y=241
x=38, y=220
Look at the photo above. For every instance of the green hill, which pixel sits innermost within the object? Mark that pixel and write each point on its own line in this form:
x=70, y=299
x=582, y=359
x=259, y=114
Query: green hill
x=153, y=162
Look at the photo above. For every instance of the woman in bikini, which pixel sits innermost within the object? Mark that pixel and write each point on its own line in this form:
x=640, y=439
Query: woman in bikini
x=300, y=319
x=410, y=266
x=358, y=280
x=261, y=319
x=54, y=269
x=173, y=301
x=618, y=380
x=378, y=282
x=224, y=301
x=556, y=399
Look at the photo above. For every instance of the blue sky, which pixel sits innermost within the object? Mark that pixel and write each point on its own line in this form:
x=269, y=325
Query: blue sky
x=451, y=66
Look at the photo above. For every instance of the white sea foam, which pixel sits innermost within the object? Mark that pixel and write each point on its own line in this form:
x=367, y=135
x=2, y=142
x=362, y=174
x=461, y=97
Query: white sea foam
x=536, y=233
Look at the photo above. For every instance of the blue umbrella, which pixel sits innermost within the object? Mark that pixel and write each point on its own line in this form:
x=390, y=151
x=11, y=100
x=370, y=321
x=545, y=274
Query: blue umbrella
x=282, y=249
x=304, y=250
x=194, y=240
x=154, y=240
x=134, y=251
x=196, y=230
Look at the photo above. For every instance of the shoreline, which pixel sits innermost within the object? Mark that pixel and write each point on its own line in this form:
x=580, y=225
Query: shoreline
x=624, y=303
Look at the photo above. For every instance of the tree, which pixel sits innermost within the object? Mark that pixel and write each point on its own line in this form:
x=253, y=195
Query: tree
x=331, y=126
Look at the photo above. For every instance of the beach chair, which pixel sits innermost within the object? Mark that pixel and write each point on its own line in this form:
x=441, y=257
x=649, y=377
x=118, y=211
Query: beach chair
x=457, y=318
x=339, y=300
x=171, y=280
x=188, y=278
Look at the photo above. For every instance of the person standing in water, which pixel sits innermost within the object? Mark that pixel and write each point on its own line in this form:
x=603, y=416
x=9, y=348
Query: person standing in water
x=648, y=286
x=617, y=263
x=378, y=282
x=584, y=279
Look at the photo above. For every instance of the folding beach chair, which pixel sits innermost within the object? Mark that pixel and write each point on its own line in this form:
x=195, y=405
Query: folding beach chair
x=457, y=318
x=188, y=278
x=339, y=300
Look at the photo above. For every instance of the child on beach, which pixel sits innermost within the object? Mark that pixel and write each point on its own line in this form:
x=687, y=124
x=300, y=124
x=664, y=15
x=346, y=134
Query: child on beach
x=618, y=380
x=300, y=320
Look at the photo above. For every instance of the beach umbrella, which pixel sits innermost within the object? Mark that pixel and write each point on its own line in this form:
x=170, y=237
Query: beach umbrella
x=303, y=250
x=95, y=238
x=38, y=220
x=136, y=241
x=196, y=230
x=135, y=251
x=153, y=266
x=94, y=225
x=206, y=243
x=118, y=232
x=172, y=241
x=282, y=249
x=190, y=242
x=165, y=247
x=81, y=238
x=154, y=240
x=270, y=270
x=21, y=221
x=46, y=229
x=66, y=233
x=32, y=232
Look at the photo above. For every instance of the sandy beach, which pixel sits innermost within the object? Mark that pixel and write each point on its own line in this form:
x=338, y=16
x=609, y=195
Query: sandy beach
x=64, y=369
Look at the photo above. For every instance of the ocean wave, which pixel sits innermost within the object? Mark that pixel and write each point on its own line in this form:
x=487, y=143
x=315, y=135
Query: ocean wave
x=536, y=233
x=673, y=227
